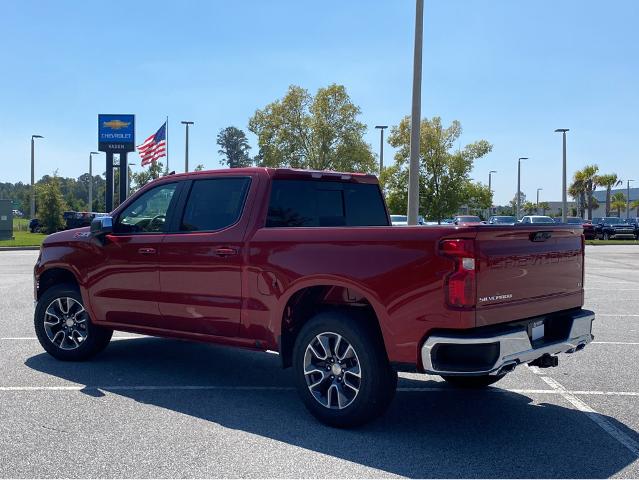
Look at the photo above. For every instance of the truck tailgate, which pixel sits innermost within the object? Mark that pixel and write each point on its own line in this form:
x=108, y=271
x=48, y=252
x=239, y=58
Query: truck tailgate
x=527, y=271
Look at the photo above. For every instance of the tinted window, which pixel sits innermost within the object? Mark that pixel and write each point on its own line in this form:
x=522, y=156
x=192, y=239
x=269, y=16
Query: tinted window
x=309, y=203
x=214, y=204
x=148, y=213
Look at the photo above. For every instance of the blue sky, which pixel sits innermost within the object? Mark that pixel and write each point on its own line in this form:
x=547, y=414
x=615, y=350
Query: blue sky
x=510, y=71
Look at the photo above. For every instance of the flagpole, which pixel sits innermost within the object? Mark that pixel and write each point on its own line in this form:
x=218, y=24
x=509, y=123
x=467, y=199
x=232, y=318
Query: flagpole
x=167, y=143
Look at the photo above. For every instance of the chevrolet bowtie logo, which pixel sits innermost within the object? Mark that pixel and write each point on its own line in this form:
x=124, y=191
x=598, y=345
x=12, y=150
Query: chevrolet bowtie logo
x=116, y=124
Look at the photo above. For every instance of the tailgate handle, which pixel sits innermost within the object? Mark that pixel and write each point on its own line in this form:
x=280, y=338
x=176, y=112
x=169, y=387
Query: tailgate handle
x=540, y=236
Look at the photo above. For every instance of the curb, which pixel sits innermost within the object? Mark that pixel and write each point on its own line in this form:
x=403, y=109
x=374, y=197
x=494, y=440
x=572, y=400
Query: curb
x=16, y=249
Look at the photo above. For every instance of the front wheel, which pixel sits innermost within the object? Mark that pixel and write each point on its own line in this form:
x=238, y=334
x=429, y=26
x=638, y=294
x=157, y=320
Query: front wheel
x=341, y=369
x=479, y=381
x=63, y=326
x=606, y=236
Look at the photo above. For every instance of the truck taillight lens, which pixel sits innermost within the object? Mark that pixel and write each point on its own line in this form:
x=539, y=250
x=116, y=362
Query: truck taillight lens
x=460, y=284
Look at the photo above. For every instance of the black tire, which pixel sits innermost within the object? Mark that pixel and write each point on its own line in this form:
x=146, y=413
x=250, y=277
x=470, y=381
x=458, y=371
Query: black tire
x=378, y=380
x=96, y=337
x=480, y=381
x=606, y=236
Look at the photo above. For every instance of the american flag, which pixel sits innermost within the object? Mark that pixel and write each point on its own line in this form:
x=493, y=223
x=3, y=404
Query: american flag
x=153, y=147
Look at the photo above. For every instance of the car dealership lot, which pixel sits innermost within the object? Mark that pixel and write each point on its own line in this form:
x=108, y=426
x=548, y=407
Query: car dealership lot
x=157, y=408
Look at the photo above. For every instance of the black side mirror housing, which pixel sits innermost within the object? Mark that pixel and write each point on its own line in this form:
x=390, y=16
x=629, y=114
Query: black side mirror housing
x=101, y=226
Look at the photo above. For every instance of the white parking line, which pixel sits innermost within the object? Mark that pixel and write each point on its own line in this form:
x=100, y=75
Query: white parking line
x=595, y=416
x=616, y=314
x=615, y=343
x=123, y=388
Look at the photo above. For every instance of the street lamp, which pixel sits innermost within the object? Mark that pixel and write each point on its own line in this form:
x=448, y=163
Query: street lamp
x=381, y=146
x=519, y=185
x=490, y=189
x=415, y=116
x=564, y=200
x=628, y=198
x=32, y=210
x=186, y=148
x=538, y=190
x=91, y=179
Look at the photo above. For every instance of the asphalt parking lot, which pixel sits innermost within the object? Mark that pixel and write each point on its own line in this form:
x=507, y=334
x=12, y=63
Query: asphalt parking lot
x=161, y=408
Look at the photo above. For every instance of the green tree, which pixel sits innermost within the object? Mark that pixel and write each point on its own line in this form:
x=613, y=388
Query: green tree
x=444, y=172
x=51, y=205
x=234, y=147
x=529, y=208
x=619, y=203
x=155, y=171
x=320, y=132
x=635, y=204
x=513, y=203
x=588, y=177
x=609, y=181
x=478, y=197
x=199, y=167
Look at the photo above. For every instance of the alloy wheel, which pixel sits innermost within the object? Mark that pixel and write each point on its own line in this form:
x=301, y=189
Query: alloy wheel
x=65, y=323
x=332, y=370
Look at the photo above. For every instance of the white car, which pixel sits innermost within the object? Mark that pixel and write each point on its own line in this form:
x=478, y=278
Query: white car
x=536, y=219
x=402, y=220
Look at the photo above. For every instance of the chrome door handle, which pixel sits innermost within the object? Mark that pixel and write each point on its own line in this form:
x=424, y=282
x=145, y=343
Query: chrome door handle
x=146, y=251
x=225, y=251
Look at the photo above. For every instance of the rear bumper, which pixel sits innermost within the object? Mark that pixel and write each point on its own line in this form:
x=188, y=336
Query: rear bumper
x=496, y=353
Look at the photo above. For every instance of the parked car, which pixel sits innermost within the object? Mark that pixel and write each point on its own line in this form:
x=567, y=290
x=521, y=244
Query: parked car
x=502, y=220
x=589, y=230
x=634, y=221
x=17, y=213
x=307, y=264
x=537, y=219
x=79, y=219
x=613, y=227
x=467, y=220
x=34, y=225
x=402, y=220
x=574, y=220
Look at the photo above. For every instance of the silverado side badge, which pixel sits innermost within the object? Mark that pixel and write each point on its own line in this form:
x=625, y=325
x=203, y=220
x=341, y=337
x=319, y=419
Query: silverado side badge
x=540, y=236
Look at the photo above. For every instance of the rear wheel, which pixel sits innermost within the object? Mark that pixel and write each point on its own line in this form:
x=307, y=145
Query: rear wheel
x=341, y=369
x=480, y=381
x=63, y=326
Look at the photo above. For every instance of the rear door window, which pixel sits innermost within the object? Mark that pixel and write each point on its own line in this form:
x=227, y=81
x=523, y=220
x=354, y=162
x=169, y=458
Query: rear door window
x=310, y=203
x=214, y=204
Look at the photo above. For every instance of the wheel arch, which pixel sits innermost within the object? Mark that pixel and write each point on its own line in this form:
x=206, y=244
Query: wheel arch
x=306, y=299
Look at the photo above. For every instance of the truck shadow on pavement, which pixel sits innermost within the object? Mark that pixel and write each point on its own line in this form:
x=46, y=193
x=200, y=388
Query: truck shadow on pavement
x=442, y=433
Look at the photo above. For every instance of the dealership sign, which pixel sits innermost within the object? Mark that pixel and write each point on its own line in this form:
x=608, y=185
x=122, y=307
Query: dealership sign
x=116, y=133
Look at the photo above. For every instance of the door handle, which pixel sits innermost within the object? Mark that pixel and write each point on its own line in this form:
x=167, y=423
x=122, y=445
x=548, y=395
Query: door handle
x=225, y=251
x=146, y=250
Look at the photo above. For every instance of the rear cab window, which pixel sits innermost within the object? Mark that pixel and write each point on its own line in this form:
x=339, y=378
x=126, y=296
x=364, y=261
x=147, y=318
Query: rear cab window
x=214, y=204
x=312, y=203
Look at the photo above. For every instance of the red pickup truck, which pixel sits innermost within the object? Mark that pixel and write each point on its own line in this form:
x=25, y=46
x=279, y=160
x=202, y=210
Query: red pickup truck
x=307, y=264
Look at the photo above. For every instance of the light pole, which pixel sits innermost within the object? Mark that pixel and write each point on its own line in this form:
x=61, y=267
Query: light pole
x=564, y=188
x=381, y=146
x=537, y=209
x=91, y=179
x=519, y=185
x=32, y=210
x=415, y=117
x=628, y=198
x=490, y=189
x=186, y=147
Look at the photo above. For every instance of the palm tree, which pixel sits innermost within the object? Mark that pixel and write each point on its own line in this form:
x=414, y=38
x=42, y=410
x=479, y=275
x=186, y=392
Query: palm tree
x=609, y=181
x=589, y=174
x=635, y=204
x=619, y=202
x=577, y=191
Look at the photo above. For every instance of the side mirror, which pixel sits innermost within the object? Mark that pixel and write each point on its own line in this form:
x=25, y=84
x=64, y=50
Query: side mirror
x=101, y=226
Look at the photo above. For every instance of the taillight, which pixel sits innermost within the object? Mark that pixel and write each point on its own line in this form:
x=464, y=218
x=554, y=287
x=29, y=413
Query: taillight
x=460, y=285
